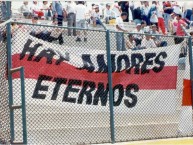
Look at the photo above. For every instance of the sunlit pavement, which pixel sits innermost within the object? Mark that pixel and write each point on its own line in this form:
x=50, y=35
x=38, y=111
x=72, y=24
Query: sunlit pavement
x=173, y=141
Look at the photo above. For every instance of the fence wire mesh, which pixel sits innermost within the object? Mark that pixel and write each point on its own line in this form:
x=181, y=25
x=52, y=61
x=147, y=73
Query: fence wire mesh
x=4, y=102
x=146, y=119
x=62, y=105
x=65, y=106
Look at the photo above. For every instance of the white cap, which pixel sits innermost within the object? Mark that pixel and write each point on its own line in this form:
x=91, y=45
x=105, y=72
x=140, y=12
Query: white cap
x=177, y=11
x=138, y=24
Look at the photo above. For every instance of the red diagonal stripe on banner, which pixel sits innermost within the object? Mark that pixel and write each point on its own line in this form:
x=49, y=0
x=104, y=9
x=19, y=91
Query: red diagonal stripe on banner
x=166, y=79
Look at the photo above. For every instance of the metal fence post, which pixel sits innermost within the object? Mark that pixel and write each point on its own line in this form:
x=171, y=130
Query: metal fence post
x=23, y=106
x=9, y=67
x=191, y=65
x=110, y=86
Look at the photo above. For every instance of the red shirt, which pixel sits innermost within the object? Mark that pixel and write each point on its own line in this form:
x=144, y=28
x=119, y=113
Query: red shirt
x=180, y=31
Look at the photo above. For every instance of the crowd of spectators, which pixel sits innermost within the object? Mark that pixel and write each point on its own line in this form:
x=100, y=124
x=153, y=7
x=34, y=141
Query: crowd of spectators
x=150, y=18
x=153, y=20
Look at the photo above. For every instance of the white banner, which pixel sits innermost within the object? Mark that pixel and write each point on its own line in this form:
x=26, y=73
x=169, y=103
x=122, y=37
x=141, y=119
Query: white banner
x=144, y=81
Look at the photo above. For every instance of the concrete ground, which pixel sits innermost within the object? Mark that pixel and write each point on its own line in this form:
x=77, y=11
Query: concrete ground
x=173, y=141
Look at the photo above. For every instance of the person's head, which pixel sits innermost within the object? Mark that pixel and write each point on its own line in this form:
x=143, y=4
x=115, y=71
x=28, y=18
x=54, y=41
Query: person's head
x=35, y=2
x=146, y=3
x=148, y=36
x=178, y=16
x=138, y=27
x=131, y=37
x=96, y=8
x=34, y=19
x=154, y=3
x=45, y=2
x=173, y=15
x=80, y=2
x=191, y=33
x=124, y=15
x=154, y=28
x=143, y=24
x=25, y=2
x=108, y=6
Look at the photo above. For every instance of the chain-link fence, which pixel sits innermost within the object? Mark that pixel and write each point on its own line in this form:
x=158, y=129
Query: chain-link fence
x=4, y=102
x=68, y=84
x=64, y=102
x=155, y=104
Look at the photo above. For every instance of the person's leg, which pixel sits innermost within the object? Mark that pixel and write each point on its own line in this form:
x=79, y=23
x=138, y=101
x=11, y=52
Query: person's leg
x=107, y=20
x=60, y=20
x=123, y=42
x=74, y=24
x=85, y=32
x=70, y=23
x=188, y=14
x=178, y=40
x=163, y=44
x=161, y=25
x=166, y=18
x=119, y=41
x=60, y=38
x=94, y=22
x=78, y=24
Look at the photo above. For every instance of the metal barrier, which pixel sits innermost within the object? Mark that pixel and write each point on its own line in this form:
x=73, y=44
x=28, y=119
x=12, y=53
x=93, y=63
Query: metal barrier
x=4, y=101
x=68, y=81
x=94, y=89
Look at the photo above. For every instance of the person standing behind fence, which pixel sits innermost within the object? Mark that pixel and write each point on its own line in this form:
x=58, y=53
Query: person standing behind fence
x=168, y=10
x=81, y=20
x=137, y=13
x=58, y=12
x=3, y=10
x=188, y=10
x=179, y=30
x=108, y=14
x=25, y=9
x=45, y=8
x=35, y=9
x=120, y=27
x=124, y=5
x=153, y=14
x=71, y=17
x=145, y=11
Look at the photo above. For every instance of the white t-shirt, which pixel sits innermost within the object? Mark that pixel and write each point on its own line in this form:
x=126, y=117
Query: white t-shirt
x=119, y=22
x=148, y=43
x=146, y=10
x=159, y=12
x=80, y=12
x=96, y=15
x=116, y=10
x=70, y=7
x=35, y=8
x=24, y=8
x=109, y=13
x=45, y=7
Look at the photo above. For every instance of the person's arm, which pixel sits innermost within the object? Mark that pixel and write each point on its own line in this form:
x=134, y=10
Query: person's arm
x=130, y=15
x=128, y=44
x=120, y=29
x=153, y=44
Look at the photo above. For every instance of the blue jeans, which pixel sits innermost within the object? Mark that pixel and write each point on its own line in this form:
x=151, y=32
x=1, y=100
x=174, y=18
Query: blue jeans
x=120, y=42
x=167, y=17
x=187, y=14
x=146, y=19
x=163, y=44
x=60, y=20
